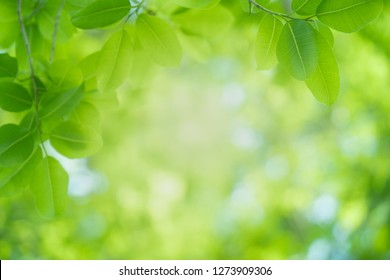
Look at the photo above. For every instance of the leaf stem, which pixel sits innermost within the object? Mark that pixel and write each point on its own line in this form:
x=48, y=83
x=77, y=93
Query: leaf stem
x=28, y=50
x=56, y=27
x=282, y=15
x=32, y=72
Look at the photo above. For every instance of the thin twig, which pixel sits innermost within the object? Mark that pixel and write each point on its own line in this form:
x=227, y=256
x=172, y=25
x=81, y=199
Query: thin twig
x=29, y=55
x=32, y=72
x=56, y=27
x=285, y=16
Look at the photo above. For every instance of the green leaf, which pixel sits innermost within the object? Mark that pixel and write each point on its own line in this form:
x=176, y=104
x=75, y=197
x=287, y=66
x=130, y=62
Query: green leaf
x=297, y=50
x=50, y=187
x=266, y=42
x=159, y=39
x=59, y=104
x=16, y=144
x=74, y=140
x=8, y=66
x=195, y=3
x=15, y=179
x=64, y=75
x=325, y=31
x=88, y=67
x=324, y=83
x=209, y=23
x=305, y=7
x=14, y=97
x=115, y=60
x=28, y=122
x=46, y=20
x=348, y=15
x=9, y=24
x=101, y=13
x=86, y=114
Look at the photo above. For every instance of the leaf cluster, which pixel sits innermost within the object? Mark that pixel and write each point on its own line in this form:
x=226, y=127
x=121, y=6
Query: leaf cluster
x=54, y=97
x=303, y=42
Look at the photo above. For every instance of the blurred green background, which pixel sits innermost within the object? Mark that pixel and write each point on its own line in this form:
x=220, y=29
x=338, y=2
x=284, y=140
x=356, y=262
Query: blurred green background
x=215, y=160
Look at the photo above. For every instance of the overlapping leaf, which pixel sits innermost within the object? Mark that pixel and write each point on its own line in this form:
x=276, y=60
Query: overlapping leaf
x=324, y=83
x=74, y=140
x=349, y=15
x=86, y=114
x=57, y=105
x=266, y=42
x=297, y=49
x=46, y=20
x=64, y=75
x=325, y=31
x=115, y=61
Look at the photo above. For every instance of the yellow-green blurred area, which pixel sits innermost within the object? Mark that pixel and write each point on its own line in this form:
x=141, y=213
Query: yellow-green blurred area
x=215, y=160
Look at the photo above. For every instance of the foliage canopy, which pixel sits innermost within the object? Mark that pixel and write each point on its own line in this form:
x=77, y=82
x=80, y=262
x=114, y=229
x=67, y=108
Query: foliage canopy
x=52, y=96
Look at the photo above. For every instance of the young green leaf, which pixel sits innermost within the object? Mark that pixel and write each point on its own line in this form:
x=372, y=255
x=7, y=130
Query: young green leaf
x=50, y=187
x=305, y=7
x=115, y=61
x=297, y=49
x=15, y=179
x=9, y=24
x=101, y=13
x=324, y=83
x=266, y=42
x=74, y=140
x=28, y=122
x=88, y=67
x=16, y=144
x=325, y=31
x=14, y=97
x=8, y=66
x=159, y=39
x=46, y=19
x=64, y=75
x=348, y=15
x=58, y=104
x=86, y=114
x=209, y=23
